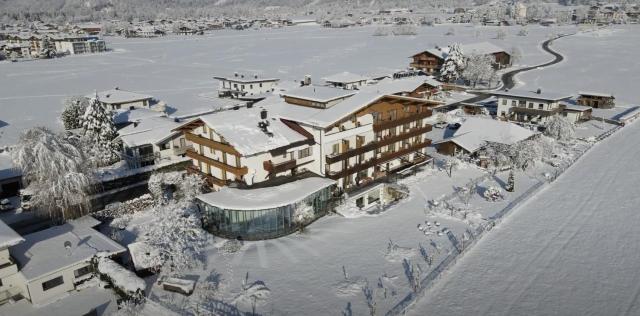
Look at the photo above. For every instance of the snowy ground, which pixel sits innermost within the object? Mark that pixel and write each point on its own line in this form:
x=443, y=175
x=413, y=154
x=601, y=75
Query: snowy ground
x=572, y=250
x=603, y=61
x=179, y=70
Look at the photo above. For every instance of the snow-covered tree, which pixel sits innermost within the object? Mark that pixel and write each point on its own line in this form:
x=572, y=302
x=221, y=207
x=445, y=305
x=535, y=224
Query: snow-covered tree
x=303, y=215
x=479, y=68
x=167, y=186
x=453, y=64
x=100, y=133
x=511, y=182
x=55, y=170
x=175, y=231
x=559, y=128
x=74, y=108
x=493, y=194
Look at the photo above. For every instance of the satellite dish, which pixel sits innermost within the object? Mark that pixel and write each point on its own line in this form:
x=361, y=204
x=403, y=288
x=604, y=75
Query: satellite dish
x=67, y=245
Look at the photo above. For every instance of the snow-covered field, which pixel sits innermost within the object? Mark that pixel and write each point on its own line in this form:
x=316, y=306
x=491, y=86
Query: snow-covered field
x=602, y=61
x=572, y=250
x=179, y=70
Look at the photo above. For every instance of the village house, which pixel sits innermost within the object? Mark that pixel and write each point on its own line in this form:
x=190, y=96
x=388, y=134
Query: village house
x=53, y=261
x=596, y=100
x=246, y=86
x=431, y=60
x=346, y=80
x=10, y=280
x=476, y=132
x=116, y=99
x=10, y=177
x=576, y=113
x=529, y=106
x=152, y=141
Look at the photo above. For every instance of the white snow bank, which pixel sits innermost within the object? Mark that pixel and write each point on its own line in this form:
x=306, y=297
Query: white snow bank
x=121, y=277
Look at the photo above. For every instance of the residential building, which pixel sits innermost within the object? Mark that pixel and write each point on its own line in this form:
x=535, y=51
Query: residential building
x=10, y=177
x=576, y=113
x=596, y=100
x=116, y=99
x=346, y=80
x=431, y=60
x=78, y=44
x=476, y=132
x=54, y=261
x=529, y=106
x=152, y=141
x=10, y=280
x=245, y=86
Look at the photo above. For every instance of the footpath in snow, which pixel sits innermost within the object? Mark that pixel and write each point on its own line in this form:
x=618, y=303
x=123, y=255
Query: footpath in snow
x=571, y=250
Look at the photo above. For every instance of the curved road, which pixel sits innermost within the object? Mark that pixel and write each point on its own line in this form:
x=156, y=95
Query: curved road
x=507, y=78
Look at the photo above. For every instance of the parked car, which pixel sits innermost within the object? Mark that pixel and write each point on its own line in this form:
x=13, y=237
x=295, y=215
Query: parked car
x=454, y=126
x=25, y=199
x=440, y=125
x=5, y=205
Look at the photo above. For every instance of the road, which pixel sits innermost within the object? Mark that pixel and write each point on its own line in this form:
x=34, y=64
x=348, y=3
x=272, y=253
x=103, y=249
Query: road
x=573, y=249
x=507, y=78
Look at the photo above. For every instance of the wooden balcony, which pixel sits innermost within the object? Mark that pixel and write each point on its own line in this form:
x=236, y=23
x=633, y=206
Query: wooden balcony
x=378, y=144
x=377, y=160
x=238, y=171
x=272, y=168
x=211, y=180
x=197, y=139
x=382, y=125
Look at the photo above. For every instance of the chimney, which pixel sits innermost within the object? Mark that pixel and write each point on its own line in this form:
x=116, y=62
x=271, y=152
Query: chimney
x=263, y=114
x=539, y=91
x=307, y=80
x=235, y=74
x=255, y=76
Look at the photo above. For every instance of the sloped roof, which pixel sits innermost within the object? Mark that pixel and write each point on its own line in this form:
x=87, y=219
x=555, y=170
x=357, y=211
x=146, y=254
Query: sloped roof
x=44, y=252
x=345, y=77
x=117, y=96
x=482, y=48
x=475, y=132
x=318, y=93
x=151, y=130
x=543, y=95
x=8, y=236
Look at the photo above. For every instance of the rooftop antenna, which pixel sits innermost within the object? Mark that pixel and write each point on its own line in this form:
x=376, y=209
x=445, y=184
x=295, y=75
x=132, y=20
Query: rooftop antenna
x=67, y=245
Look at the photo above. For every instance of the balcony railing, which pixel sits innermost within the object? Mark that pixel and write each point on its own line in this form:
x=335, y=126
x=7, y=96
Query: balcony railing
x=272, y=168
x=378, y=144
x=197, y=139
x=211, y=180
x=238, y=171
x=377, y=160
x=382, y=125
x=529, y=111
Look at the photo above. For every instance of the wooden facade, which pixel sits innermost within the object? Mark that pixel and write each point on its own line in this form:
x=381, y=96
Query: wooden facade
x=596, y=101
x=427, y=62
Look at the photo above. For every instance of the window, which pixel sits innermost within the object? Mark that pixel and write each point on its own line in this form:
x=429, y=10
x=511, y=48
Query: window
x=261, y=85
x=165, y=146
x=242, y=87
x=52, y=283
x=376, y=116
x=513, y=102
x=235, y=85
x=392, y=114
x=250, y=86
x=540, y=106
x=504, y=101
x=82, y=271
x=303, y=153
x=392, y=147
x=531, y=105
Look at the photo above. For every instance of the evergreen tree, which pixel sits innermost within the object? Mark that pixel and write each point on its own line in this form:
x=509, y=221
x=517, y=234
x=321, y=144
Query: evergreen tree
x=100, y=133
x=453, y=64
x=74, y=108
x=511, y=183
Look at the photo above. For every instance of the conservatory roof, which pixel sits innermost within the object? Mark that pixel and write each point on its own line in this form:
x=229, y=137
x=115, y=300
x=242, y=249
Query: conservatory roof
x=265, y=198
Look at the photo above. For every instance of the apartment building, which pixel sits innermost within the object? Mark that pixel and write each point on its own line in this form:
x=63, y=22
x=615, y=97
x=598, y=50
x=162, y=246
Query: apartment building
x=241, y=85
x=529, y=106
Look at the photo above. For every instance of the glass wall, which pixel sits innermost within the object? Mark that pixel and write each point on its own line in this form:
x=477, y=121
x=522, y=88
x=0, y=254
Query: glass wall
x=262, y=223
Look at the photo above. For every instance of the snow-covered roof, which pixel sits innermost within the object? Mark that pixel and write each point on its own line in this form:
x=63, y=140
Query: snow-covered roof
x=526, y=94
x=240, y=129
x=318, y=93
x=143, y=255
x=148, y=131
x=475, y=132
x=245, y=78
x=482, y=48
x=44, y=252
x=119, y=96
x=8, y=236
x=7, y=168
x=122, y=116
x=264, y=198
x=345, y=77
x=393, y=86
x=596, y=94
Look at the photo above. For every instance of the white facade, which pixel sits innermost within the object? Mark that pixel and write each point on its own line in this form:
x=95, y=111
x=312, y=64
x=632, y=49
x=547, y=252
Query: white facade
x=243, y=85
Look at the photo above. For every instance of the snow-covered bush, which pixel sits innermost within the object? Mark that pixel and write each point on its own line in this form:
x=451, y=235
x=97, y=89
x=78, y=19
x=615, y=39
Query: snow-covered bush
x=559, y=128
x=303, y=214
x=55, y=171
x=166, y=186
x=100, y=134
x=74, y=108
x=493, y=194
x=404, y=30
x=381, y=31
x=126, y=283
x=522, y=155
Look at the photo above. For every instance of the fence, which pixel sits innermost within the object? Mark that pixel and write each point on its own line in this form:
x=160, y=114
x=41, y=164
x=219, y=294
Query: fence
x=459, y=250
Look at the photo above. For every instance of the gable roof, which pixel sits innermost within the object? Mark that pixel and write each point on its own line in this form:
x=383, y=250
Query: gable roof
x=117, y=96
x=526, y=94
x=345, y=77
x=476, y=132
x=148, y=131
x=318, y=93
